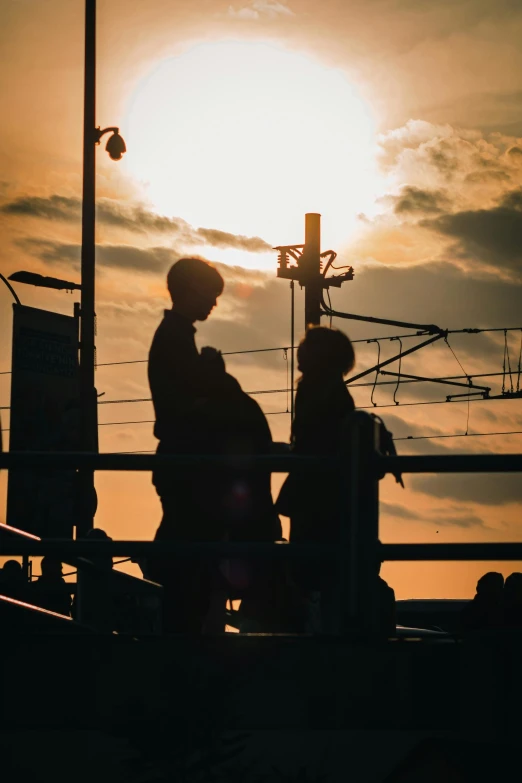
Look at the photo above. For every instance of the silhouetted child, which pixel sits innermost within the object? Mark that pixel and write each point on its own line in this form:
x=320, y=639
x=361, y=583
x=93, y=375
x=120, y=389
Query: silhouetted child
x=322, y=403
x=485, y=611
x=513, y=601
x=201, y=409
x=386, y=604
x=12, y=581
x=102, y=561
x=50, y=590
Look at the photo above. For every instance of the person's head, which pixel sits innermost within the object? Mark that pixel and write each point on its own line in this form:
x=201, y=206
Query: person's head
x=325, y=352
x=51, y=567
x=513, y=586
x=97, y=534
x=194, y=286
x=379, y=557
x=490, y=585
x=12, y=571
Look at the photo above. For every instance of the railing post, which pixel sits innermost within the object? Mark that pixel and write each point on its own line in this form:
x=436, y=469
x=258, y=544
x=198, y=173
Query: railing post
x=359, y=525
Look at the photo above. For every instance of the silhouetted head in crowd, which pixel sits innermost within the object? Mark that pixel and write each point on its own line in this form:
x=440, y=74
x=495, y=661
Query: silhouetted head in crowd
x=513, y=587
x=325, y=352
x=51, y=568
x=490, y=585
x=12, y=570
x=97, y=534
x=194, y=286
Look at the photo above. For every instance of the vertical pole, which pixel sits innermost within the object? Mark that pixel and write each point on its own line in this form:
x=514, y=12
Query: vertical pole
x=311, y=265
x=292, y=348
x=87, y=339
x=360, y=532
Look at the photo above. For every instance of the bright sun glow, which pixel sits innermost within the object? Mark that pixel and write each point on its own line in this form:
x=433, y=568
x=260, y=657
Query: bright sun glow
x=246, y=138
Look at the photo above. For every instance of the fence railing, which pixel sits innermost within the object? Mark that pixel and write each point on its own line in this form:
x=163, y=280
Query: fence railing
x=360, y=467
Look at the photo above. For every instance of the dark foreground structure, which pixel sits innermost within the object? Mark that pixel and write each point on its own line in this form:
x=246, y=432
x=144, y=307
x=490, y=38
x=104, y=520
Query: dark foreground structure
x=79, y=702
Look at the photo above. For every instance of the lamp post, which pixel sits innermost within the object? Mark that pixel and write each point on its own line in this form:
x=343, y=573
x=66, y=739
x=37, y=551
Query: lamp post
x=115, y=147
x=10, y=287
x=31, y=278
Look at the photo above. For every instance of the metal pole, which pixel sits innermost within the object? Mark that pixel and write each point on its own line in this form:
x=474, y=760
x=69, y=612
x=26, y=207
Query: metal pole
x=363, y=522
x=292, y=348
x=10, y=287
x=87, y=339
x=311, y=262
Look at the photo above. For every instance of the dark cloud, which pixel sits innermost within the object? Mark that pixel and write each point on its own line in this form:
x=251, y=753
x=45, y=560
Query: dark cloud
x=131, y=218
x=52, y=208
x=489, y=490
x=443, y=159
x=483, y=177
x=439, y=517
x=491, y=236
x=515, y=152
x=154, y=259
x=413, y=200
x=437, y=292
x=52, y=252
x=512, y=200
x=395, y=510
x=215, y=238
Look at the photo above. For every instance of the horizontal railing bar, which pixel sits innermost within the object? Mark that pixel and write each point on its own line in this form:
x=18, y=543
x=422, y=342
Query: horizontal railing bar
x=477, y=551
x=68, y=549
x=276, y=463
x=451, y=463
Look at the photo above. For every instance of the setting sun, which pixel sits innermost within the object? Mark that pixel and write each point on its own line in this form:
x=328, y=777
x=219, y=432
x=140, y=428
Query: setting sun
x=250, y=137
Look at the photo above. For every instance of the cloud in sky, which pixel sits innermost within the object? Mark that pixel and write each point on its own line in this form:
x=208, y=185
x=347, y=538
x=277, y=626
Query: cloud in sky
x=429, y=156
x=130, y=218
x=415, y=201
x=504, y=488
x=441, y=517
x=260, y=9
x=151, y=260
x=489, y=236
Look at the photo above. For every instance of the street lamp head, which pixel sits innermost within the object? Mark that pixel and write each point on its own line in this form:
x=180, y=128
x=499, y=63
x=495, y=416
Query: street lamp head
x=115, y=146
x=31, y=278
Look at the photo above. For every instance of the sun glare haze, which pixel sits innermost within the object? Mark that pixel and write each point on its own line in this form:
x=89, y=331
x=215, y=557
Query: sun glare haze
x=249, y=136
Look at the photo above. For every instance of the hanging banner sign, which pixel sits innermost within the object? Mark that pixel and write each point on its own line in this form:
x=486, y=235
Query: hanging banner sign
x=45, y=416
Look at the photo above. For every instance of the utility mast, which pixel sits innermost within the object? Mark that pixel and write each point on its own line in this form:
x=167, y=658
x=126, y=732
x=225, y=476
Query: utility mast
x=308, y=268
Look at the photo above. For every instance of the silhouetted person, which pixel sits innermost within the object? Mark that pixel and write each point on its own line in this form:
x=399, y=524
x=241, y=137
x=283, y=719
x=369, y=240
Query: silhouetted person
x=513, y=601
x=12, y=581
x=102, y=561
x=386, y=604
x=50, y=590
x=486, y=609
x=322, y=403
x=201, y=409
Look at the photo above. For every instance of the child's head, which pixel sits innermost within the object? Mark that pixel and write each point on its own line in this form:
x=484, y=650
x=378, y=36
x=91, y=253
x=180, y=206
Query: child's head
x=325, y=352
x=194, y=286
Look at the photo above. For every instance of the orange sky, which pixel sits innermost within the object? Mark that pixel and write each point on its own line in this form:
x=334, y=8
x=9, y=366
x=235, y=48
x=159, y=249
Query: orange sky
x=398, y=121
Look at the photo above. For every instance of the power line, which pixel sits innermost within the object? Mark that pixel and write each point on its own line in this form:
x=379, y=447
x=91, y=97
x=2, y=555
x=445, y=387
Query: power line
x=289, y=347
x=361, y=340
x=153, y=421
x=360, y=384
x=459, y=435
x=285, y=391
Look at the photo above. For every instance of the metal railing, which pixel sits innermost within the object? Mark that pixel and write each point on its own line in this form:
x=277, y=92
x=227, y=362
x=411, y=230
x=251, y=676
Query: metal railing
x=360, y=467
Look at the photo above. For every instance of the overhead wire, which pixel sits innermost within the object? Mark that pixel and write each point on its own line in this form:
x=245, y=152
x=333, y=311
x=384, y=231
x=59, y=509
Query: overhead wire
x=506, y=356
x=458, y=435
x=399, y=375
x=466, y=375
x=360, y=340
x=376, y=371
x=519, y=362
